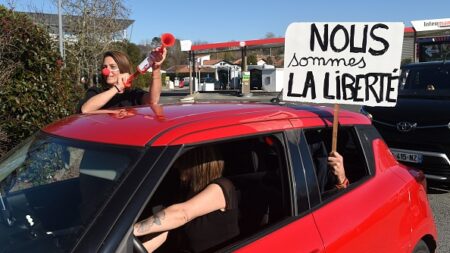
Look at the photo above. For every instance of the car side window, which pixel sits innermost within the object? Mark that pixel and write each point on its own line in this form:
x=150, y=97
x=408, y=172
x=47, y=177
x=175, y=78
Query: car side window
x=348, y=146
x=256, y=167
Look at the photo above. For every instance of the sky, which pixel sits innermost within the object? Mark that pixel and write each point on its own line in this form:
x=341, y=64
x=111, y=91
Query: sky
x=238, y=20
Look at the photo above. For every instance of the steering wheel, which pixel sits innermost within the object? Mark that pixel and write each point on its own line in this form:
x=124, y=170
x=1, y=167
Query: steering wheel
x=138, y=246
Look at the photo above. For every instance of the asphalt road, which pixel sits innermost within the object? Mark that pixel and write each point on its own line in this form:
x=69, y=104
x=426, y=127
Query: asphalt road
x=439, y=197
x=438, y=194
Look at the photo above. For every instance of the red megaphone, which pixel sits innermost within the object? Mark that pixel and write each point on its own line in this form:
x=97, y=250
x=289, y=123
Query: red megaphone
x=167, y=40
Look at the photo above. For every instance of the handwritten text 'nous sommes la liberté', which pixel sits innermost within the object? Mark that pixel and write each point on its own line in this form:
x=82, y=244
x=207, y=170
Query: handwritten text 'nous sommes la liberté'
x=347, y=85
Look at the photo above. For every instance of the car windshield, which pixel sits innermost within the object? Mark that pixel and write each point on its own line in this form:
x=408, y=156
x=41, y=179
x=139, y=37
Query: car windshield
x=426, y=81
x=51, y=189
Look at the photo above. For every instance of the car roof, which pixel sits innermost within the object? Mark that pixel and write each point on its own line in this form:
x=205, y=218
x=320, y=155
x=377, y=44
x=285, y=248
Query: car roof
x=197, y=122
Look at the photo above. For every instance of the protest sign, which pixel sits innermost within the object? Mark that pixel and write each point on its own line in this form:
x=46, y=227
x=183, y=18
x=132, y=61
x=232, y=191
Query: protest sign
x=343, y=63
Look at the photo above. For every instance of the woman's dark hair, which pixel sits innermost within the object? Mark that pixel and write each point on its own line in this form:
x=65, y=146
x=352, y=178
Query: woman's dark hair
x=199, y=166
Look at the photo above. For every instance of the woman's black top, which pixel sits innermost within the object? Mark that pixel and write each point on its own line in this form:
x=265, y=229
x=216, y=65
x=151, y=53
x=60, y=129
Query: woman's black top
x=209, y=231
x=128, y=98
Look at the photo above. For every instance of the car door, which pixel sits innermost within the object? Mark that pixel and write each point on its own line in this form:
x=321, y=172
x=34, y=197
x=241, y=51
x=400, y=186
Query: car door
x=300, y=233
x=371, y=214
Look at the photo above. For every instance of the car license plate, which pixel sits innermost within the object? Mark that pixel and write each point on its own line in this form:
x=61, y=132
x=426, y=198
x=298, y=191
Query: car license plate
x=408, y=157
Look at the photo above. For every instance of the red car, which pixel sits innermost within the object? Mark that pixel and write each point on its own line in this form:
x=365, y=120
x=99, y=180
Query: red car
x=80, y=184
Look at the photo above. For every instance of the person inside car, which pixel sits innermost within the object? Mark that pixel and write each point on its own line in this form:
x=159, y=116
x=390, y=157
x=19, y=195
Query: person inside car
x=208, y=213
x=113, y=92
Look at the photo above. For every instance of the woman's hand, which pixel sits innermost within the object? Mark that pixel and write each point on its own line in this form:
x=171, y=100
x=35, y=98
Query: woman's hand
x=159, y=55
x=122, y=81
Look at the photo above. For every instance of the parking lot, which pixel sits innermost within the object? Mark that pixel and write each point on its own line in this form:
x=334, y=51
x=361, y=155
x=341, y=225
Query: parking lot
x=438, y=194
x=439, y=197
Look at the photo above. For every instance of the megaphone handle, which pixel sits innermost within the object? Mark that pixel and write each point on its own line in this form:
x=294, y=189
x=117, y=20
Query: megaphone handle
x=131, y=78
x=161, y=49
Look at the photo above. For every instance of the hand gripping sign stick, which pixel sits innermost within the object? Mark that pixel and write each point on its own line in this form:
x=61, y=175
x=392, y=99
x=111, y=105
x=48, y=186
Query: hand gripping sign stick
x=167, y=40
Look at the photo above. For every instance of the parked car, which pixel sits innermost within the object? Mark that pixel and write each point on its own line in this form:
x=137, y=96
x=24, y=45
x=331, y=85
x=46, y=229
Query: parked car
x=186, y=81
x=81, y=183
x=417, y=129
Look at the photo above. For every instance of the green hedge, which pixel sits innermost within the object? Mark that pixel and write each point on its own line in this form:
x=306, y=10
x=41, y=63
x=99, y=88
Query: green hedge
x=38, y=91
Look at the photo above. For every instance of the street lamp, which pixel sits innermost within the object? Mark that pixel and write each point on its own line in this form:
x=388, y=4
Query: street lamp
x=61, y=39
x=245, y=83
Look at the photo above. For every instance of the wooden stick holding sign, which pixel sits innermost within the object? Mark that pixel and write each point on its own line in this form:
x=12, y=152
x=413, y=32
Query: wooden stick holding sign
x=335, y=128
x=342, y=63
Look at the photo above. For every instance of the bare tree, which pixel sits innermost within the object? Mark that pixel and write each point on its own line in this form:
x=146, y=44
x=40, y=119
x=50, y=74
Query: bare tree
x=273, y=53
x=269, y=35
x=93, y=26
x=176, y=56
x=11, y=4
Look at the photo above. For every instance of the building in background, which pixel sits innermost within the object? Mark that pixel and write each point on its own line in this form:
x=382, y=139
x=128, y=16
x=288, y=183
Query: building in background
x=50, y=22
x=226, y=73
x=427, y=40
x=223, y=74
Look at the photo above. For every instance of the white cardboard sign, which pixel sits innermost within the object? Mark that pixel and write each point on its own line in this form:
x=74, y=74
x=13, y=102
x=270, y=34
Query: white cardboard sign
x=343, y=63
